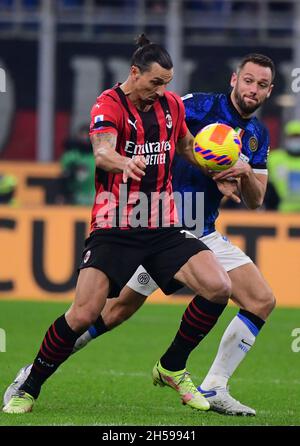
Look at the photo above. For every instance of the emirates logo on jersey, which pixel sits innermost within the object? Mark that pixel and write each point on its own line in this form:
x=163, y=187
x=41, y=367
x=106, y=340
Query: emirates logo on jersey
x=154, y=152
x=148, y=147
x=169, y=122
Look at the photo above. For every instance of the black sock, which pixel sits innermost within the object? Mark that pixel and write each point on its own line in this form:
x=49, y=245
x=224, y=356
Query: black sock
x=255, y=320
x=198, y=319
x=56, y=347
x=98, y=328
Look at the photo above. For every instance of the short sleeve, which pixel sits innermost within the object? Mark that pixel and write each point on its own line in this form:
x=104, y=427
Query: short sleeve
x=188, y=101
x=105, y=116
x=260, y=157
x=197, y=106
x=182, y=125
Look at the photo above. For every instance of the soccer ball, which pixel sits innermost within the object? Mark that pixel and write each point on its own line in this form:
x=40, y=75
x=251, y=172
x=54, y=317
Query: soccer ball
x=217, y=147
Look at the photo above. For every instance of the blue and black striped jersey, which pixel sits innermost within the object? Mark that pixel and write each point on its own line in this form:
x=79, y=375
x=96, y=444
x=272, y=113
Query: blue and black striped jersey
x=206, y=108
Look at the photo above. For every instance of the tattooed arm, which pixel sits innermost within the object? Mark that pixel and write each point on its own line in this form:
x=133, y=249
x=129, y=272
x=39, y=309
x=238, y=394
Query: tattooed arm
x=106, y=157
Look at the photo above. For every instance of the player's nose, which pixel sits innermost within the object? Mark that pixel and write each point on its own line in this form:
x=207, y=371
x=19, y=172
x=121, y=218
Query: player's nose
x=253, y=89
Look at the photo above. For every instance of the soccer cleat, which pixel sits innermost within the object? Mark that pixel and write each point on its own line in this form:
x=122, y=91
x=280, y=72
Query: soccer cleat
x=20, y=402
x=182, y=383
x=21, y=377
x=221, y=401
x=23, y=373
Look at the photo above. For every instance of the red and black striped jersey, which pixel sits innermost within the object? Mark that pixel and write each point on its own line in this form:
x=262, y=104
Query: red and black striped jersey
x=153, y=134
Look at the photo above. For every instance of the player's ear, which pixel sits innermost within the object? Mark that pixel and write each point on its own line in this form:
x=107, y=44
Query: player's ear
x=134, y=70
x=270, y=91
x=233, y=79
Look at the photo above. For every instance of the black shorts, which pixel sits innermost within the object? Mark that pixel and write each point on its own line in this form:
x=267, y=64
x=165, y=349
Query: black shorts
x=119, y=252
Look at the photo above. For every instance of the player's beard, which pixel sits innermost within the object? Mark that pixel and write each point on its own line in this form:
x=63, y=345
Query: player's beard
x=246, y=109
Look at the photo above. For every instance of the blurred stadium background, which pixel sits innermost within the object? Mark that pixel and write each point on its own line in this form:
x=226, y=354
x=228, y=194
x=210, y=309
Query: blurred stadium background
x=55, y=58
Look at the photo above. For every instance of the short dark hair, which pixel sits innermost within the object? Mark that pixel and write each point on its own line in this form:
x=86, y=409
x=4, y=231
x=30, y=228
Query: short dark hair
x=258, y=59
x=148, y=53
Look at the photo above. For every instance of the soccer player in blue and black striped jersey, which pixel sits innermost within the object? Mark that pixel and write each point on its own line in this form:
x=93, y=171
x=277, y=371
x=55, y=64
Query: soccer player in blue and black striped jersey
x=251, y=86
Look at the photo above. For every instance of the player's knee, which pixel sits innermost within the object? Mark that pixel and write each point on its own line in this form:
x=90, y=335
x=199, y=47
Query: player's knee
x=263, y=304
x=223, y=291
x=268, y=303
x=220, y=290
x=82, y=318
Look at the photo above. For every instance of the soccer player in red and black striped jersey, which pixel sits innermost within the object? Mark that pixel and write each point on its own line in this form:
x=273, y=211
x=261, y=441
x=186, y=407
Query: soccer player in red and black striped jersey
x=136, y=130
x=136, y=127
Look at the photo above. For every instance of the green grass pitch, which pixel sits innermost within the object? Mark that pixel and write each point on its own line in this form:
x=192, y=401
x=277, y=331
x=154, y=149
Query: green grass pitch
x=109, y=382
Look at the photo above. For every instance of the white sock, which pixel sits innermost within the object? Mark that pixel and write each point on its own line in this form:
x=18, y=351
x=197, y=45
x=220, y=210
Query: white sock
x=235, y=344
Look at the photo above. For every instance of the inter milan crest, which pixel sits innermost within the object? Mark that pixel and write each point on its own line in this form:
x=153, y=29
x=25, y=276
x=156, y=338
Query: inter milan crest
x=143, y=278
x=253, y=144
x=169, y=120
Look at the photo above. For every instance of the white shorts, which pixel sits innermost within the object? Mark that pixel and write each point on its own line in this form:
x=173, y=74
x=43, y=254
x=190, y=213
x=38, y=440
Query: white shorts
x=230, y=257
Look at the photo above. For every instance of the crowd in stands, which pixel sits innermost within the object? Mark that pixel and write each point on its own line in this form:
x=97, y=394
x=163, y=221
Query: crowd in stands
x=158, y=5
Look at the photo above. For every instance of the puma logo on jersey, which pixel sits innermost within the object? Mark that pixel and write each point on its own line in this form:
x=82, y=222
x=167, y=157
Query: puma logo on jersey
x=132, y=123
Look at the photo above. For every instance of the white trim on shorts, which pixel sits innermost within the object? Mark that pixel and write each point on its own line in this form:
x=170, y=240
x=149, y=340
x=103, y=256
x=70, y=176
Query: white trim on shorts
x=142, y=282
x=230, y=257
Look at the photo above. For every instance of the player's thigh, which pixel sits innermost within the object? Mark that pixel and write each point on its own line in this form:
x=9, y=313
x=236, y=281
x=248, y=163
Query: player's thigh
x=250, y=291
x=131, y=298
x=204, y=274
x=118, y=310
